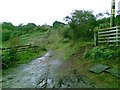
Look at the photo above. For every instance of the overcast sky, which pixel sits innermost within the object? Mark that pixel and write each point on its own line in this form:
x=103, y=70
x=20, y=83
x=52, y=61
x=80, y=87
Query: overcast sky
x=47, y=11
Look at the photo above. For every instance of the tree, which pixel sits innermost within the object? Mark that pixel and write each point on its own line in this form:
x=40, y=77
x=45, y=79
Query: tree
x=29, y=27
x=104, y=22
x=7, y=25
x=6, y=34
x=57, y=24
x=81, y=23
x=103, y=19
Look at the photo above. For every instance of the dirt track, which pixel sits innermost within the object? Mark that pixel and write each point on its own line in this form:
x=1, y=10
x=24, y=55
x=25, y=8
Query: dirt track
x=43, y=73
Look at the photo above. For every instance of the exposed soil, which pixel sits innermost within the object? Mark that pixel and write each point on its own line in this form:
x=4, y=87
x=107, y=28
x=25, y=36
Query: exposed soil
x=48, y=71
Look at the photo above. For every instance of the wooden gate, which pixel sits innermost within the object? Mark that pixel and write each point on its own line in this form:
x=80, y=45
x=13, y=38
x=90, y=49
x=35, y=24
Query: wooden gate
x=107, y=36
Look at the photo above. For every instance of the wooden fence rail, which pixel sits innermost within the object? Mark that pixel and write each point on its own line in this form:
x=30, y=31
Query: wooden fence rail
x=21, y=48
x=107, y=36
x=16, y=47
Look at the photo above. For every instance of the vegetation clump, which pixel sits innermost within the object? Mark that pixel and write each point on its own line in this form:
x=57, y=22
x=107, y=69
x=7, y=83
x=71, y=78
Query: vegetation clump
x=102, y=53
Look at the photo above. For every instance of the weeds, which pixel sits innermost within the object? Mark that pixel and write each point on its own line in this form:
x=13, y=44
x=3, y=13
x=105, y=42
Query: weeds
x=13, y=58
x=102, y=52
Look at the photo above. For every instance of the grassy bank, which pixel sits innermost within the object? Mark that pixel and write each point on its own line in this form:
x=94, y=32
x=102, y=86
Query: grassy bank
x=77, y=59
x=79, y=55
x=23, y=57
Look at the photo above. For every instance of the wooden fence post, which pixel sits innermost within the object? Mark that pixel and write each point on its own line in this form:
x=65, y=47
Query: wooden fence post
x=96, y=37
x=117, y=36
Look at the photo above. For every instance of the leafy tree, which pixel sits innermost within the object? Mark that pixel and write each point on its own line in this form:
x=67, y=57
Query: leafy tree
x=44, y=28
x=7, y=25
x=6, y=34
x=29, y=26
x=81, y=23
x=57, y=24
x=26, y=28
x=104, y=22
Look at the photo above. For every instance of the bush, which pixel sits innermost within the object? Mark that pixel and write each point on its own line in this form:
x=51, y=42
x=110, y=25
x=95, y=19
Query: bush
x=81, y=24
x=65, y=40
x=65, y=32
x=5, y=60
x=9, y=58
x=101, y=53
x=6, y=34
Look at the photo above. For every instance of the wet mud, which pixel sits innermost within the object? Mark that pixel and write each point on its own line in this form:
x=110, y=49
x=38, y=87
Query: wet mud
x=44, y=72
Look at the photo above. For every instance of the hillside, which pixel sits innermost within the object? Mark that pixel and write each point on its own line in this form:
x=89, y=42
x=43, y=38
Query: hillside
x=74, y=56
x=70, y=43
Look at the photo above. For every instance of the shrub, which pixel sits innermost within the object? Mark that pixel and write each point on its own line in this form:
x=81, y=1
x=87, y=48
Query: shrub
x=65, y=40
x=81, y=24
x=101, y=53
x=6, y=34
x=5, y=59
x=9, y=58
x=65, y=32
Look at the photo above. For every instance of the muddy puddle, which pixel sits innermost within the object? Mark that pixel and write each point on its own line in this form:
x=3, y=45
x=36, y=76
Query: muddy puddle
x=43, y=73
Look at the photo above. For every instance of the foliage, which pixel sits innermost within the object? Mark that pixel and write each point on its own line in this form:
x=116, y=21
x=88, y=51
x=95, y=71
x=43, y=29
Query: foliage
x=104, y=22
x=9, y=58
x=7, y=25
x=29, y=54
x=118, y=20
x=81, y=24
x=57, y=24
x=16, y=30
x=102, y=53
x=6, y=34
x=80, y=27
x=44, y=28
x=13, y=58
x=64, y=32
x=14, y=41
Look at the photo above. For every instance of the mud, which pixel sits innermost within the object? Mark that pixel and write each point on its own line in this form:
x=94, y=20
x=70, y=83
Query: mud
x=43, y=72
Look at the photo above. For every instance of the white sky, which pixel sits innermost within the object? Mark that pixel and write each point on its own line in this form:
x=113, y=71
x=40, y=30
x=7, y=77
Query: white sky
x=47, y=11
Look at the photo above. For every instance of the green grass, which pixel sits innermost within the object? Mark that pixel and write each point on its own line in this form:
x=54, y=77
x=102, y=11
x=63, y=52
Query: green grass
x=25, y=57
x=30, y=54
x=72, y=51
x=75, y=54
x=27, y=38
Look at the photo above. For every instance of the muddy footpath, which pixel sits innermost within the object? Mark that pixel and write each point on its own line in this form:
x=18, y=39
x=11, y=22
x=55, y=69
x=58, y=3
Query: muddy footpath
x=45, y=72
